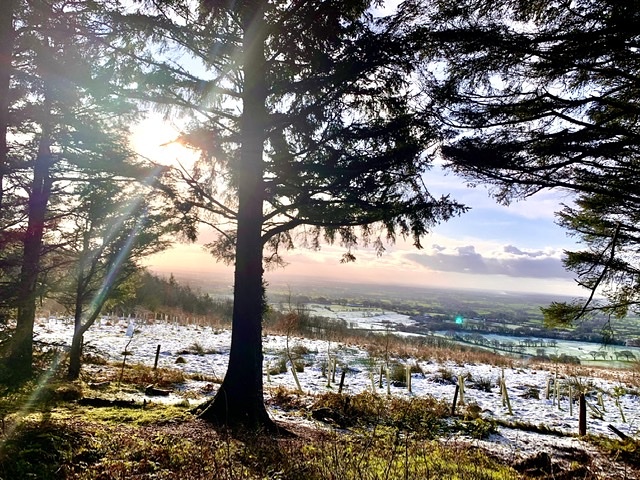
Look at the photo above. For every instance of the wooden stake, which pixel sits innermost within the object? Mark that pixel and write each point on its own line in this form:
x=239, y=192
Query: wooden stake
x=570, y=400
x=619, y=405
x=344, y=373
x=455, y=400
x=388, y=382
x=333, y=370
x=582, y=416
x=155, y=363
x=505, y=394
x=295, y=377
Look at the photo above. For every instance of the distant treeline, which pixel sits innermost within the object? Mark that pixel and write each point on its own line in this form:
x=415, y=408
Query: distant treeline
x=157, y=294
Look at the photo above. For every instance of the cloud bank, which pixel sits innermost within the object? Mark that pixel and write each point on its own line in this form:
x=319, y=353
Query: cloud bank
x=510, y=261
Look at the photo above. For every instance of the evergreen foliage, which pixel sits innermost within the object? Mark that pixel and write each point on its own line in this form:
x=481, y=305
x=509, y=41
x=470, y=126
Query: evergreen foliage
x=310, y=130
x=65, y=131
x=156, y=294
x=544, y=94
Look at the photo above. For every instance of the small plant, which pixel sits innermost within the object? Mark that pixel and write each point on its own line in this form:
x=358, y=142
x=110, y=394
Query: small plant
x=398, y=375
x=298, y=365
x=445, y=375
x=299, y=349
x=197, y=348
x=532, y=393
x=484, y=384
x=280, y=366
x=285, y=399
x=478, y=427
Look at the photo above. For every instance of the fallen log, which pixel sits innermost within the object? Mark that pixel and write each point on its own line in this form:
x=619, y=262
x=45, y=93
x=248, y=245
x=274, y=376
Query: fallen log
x=105, y=402
x=152, y=391
x=617, y=432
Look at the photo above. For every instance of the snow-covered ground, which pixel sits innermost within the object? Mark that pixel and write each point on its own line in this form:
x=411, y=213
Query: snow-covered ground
x=618, y=396
x=612, y=397
x=361, y=318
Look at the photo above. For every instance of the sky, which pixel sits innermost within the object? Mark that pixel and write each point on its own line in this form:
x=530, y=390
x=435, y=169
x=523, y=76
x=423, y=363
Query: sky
x=517, y=248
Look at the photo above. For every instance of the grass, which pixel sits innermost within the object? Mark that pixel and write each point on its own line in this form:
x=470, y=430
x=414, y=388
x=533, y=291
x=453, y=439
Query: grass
x=50, y=436
x=89, y=445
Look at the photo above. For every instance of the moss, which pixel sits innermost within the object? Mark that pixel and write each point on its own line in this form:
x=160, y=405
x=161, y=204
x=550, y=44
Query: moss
x=151, y=413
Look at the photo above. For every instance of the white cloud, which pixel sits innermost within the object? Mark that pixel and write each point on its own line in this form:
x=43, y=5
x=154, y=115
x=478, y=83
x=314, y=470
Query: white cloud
x=508, y=260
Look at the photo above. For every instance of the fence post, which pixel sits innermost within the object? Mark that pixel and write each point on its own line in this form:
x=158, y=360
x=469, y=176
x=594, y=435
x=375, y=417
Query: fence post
x=155, y=363
x=344, y=372
x=582, y=416
x=388, y=382
x=455, y=400
x=333, y=370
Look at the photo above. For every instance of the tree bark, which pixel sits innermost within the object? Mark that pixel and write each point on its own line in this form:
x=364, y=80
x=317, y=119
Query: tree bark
x=75, y=356
x=7, y=36
x=239, y=401
x=20, y=358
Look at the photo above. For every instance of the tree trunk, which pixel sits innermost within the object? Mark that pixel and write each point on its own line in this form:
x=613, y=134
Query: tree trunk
x=75, y=355
x=7, y=35
x=21, y=355
x=239, y=401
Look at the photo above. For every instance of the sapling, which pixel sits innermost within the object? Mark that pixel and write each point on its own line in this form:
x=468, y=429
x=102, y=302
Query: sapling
x=601, y=402
x=618, y=392
x=461, y=383
x=570, y=401
x=505, y=394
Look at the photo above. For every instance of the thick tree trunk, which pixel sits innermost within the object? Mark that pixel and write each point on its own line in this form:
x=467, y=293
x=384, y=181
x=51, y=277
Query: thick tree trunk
x=239, y=400
x=7, y=35
x=21, y=354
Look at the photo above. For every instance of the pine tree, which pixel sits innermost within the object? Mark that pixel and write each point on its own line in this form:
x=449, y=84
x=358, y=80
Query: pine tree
x=306, y=114
x=110, y=230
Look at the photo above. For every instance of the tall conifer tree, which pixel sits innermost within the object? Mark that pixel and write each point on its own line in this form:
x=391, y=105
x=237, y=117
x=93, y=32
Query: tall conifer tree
x=310, y=130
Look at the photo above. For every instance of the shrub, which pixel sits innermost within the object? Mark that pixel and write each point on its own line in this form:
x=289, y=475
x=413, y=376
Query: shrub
x=299, y=349
x=445, y=375
x=398, y=374
x=280, y=366
x=484, y=384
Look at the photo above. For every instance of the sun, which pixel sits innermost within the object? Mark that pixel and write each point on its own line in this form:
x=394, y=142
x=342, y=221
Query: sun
x=153, y=138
